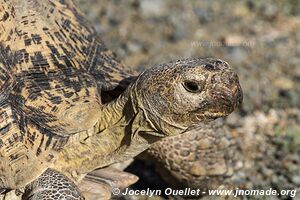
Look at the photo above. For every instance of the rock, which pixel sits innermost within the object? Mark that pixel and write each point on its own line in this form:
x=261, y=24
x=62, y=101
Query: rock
x=202, y=14
x=269, y=11
x=284, y=83
x=153, y=8
x=296, y=179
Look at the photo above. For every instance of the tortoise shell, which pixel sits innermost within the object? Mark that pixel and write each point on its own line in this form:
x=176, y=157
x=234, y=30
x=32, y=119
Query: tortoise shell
x=53, y=69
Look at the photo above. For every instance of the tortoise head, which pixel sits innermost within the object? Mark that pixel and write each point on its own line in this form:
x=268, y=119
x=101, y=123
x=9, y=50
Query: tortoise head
x=178, y=95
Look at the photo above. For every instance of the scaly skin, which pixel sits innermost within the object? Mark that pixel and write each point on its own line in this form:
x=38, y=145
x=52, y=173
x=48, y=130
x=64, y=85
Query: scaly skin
x=202, y=158
x=55, y=78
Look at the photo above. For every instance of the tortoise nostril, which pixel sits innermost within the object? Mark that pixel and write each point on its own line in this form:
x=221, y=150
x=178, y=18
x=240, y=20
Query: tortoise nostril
x=219, y=62
x=192, y=86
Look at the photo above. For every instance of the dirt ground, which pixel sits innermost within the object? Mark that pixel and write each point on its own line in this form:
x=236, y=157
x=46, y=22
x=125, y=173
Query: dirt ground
x=260, y=40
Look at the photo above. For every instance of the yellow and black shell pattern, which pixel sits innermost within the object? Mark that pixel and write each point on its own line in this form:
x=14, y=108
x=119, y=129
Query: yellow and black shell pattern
x=53, y=69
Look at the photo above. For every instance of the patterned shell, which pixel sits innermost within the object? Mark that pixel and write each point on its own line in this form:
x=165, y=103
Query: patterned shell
x=52, y=69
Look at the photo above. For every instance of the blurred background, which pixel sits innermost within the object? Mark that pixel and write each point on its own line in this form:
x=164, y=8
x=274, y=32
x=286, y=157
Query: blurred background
x=259, y=39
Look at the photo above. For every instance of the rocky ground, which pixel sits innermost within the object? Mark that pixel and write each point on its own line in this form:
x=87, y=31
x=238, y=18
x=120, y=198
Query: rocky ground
x=261, y=41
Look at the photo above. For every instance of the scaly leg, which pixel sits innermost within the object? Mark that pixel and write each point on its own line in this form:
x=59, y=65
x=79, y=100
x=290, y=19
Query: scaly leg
x=52, y=185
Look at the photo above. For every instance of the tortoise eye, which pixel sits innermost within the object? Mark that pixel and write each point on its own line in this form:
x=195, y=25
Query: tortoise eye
x=192, y=86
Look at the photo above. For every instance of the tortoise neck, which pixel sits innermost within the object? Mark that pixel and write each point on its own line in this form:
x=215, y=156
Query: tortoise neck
x=129, y=124
x=126, y=111
x=128, y=127
x=116, y=112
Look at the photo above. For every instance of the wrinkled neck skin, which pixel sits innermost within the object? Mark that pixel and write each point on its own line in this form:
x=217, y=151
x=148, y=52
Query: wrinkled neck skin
x=122, y=133
x=128, y=123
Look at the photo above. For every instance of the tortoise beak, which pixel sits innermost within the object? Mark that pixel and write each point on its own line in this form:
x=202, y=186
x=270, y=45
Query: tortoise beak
x=234, y=96
x=227, y=98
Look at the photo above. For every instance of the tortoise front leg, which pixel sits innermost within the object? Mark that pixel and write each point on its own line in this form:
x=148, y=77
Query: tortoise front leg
x=52, y=185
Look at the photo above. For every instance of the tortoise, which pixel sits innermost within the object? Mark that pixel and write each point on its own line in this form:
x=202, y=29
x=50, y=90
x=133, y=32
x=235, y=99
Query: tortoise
x=59, y=118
